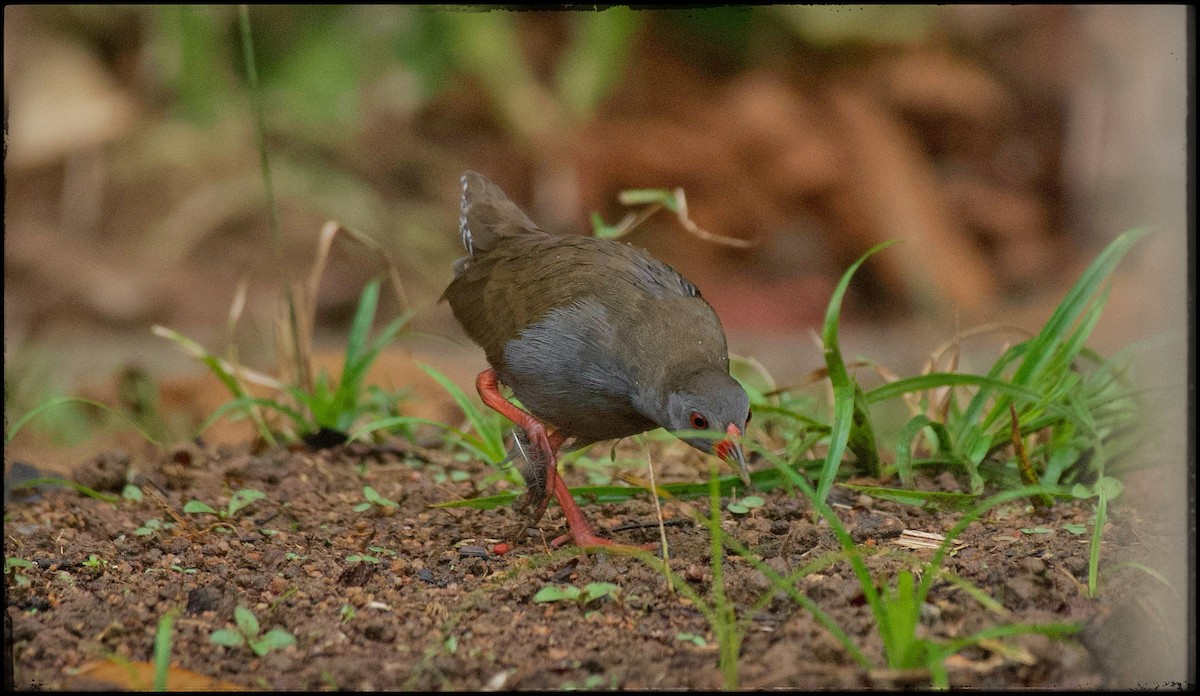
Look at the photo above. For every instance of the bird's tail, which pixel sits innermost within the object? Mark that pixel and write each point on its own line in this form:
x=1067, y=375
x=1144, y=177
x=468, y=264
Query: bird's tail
x=529, y=462
x=487, y=217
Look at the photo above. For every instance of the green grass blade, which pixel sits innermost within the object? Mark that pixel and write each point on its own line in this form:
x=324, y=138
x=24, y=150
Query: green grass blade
x=491, y=438
x=78, y=487
x=354, y=367
x=930, y=500
x=968, y=431
x=1052, y=630
x=350, y=385
x=936, y=380
x=971, y=516
x=810, y=422
x=1094, y=544
x=59, y=401
x=385, y=337
x=861, y=440
x=360, y=326
x=1074, y=303
x=787, y=585
x=162, y=648
x=218, y=369
x=1056, y=343
x=975, y=592
x=847, y=543
x=245, y=403
x=211, y=361
x=843, y=386
x=764, y=480
x=904, y=446
x=472, y=443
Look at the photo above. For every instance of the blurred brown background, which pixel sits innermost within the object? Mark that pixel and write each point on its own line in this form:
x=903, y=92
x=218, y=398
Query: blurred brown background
x=1006, y=146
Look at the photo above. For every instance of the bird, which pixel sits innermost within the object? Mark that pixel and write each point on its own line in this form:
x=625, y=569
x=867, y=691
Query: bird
x=597, y=340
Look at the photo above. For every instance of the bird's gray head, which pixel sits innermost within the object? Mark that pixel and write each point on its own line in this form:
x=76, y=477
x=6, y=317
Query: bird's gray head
x=712, y=401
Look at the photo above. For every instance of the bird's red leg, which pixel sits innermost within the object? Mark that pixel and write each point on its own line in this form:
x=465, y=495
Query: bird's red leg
x=581, y=531
x=547, y=443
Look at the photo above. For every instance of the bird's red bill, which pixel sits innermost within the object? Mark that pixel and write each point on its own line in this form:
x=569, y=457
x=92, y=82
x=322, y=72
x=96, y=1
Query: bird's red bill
x=723, y=448
x=730, y=449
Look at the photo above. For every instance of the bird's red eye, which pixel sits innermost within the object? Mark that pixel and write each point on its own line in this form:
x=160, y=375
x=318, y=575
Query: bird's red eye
x=698, y=421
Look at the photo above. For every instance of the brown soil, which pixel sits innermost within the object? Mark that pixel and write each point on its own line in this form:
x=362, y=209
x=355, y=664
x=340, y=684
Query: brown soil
x=815, y=154
x=435, y=613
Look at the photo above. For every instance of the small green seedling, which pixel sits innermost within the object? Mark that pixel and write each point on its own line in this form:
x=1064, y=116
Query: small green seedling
x=591, y=683
x=374, y=499
x=247, y=633
x=361, y=558
x=237, y=501
x=590, y=593
x=348, y=613
x=745, y=505
x=557, y=593
x=13, y=565
x=94, y=562
x=692, y=638
x=153, y=525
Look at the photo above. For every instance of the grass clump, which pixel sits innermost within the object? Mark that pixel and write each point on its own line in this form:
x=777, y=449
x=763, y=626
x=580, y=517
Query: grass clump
x=1048, y=411
x=1075, y=409
x=897, y=608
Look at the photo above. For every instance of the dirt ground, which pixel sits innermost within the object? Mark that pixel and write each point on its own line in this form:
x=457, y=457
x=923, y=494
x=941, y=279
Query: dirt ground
x=442, y=607
x=814, y=158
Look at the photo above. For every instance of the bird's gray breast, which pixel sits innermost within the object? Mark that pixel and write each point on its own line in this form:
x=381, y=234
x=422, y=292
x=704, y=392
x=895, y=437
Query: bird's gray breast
x=567, y=371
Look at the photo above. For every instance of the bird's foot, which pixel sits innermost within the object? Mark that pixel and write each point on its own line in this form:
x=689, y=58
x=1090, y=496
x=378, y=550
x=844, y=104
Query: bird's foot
x=581, y=531
x=589, y=540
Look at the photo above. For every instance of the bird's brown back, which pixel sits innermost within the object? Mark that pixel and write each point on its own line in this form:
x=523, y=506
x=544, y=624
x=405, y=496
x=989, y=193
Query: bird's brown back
x=500, y=292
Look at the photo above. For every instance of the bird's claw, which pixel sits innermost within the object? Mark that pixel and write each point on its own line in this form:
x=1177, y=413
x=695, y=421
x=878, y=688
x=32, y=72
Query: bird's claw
x=594, y=541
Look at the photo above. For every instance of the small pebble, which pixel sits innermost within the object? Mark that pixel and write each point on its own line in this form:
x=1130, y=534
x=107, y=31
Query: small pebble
x=471, y=551
x=1033, y=565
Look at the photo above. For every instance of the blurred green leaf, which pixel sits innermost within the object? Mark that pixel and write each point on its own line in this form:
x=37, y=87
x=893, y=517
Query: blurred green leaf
x=555, y=593
x=317, y=77
x=195, y=58
x=595, y=58
x=831, y=25
x=485, y=45
x=422, y=44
